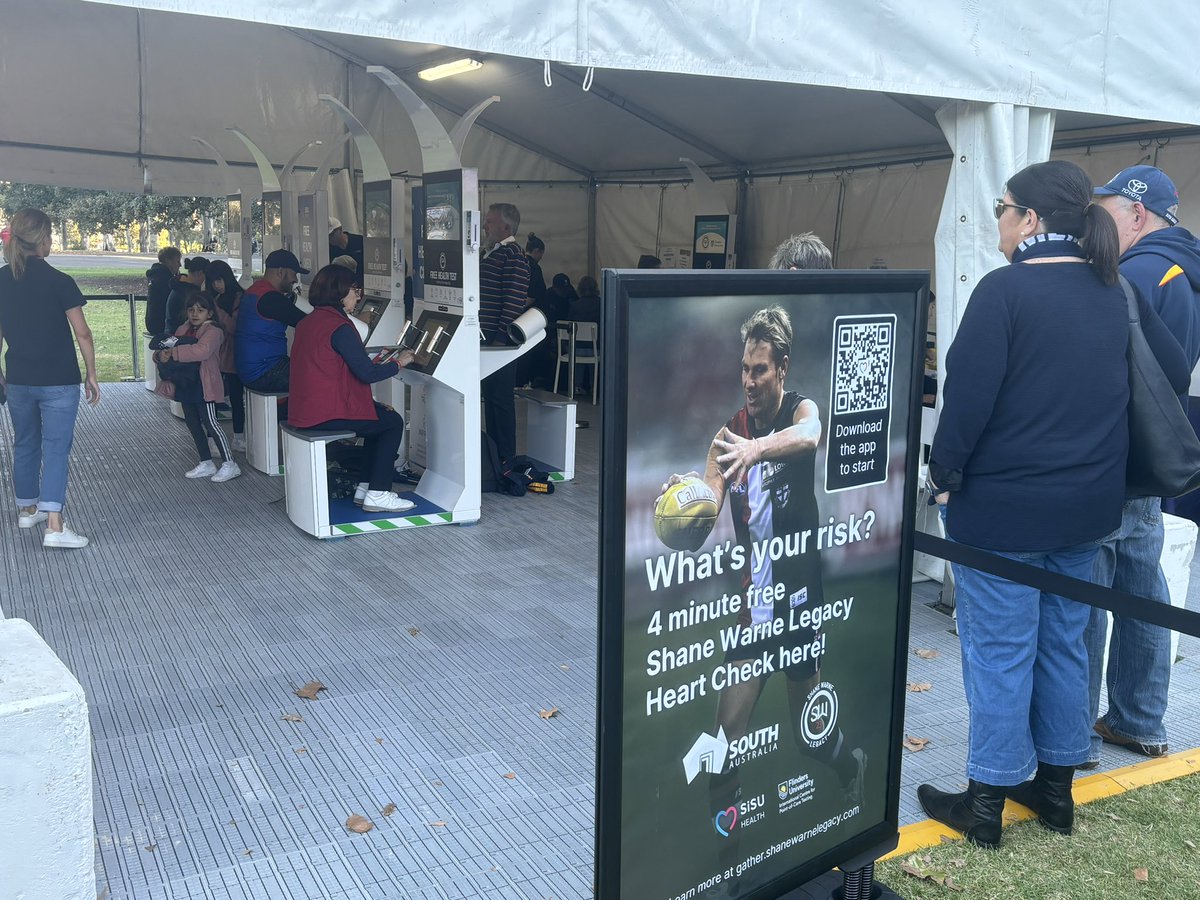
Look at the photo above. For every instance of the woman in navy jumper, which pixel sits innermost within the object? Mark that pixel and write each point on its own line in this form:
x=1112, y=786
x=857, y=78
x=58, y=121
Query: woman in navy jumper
x=1029, y=463
x=330, y=386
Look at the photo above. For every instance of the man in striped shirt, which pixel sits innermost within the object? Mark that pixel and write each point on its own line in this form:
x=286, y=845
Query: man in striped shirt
x=503, y=287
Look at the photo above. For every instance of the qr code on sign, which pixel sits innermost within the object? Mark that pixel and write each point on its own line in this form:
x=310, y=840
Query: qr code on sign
x=862, y=365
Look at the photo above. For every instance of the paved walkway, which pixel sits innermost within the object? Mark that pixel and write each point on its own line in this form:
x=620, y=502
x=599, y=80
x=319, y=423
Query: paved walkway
x=200, y=609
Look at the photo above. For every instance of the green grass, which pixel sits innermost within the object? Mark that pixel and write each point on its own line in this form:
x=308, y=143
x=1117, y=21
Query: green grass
x=110, y=281
x=109, y=319
x=1156, y=828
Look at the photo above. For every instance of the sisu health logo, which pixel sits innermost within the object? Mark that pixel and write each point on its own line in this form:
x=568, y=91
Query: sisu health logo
x=725, y=821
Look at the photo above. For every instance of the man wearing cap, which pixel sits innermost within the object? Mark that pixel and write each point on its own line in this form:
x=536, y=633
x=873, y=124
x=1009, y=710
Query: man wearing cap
x=267, y=310
x=343, y=243
x=175, y=313
x=1162, y=260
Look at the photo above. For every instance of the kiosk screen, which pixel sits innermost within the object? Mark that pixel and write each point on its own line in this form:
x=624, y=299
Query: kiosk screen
x=377, y=238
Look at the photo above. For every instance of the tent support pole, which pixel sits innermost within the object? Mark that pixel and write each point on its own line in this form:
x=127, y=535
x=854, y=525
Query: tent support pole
x=837, y=227
x=591, y=239
x=739, y=240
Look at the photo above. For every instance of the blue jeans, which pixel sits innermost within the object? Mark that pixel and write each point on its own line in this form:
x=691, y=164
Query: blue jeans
x=1024, y=668
x=43, y=429
x=1139, y=655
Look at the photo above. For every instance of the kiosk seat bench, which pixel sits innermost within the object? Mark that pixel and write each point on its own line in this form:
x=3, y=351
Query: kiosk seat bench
x=550, y=431
x=306, y=477
x=149, y=367
x=262, y=431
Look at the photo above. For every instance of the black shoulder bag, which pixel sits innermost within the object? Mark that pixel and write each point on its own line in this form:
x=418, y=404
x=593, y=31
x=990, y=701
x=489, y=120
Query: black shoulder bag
x=1164, y=452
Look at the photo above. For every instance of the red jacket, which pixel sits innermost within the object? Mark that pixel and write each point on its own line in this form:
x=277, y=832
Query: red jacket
x=322, y=387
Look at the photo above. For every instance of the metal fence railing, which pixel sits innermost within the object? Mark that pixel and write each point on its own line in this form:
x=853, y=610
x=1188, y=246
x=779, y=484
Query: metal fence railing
x=111, y=338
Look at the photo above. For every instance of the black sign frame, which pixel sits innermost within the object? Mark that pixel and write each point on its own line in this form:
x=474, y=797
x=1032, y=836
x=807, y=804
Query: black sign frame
x=622, y=288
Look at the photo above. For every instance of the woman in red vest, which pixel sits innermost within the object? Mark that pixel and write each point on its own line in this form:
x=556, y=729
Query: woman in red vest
x=330, y=386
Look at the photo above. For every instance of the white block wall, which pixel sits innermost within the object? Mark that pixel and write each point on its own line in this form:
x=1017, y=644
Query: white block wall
x=46, y=835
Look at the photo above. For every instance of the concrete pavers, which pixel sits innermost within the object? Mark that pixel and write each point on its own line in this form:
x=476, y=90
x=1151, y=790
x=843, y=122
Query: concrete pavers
x=200, y=608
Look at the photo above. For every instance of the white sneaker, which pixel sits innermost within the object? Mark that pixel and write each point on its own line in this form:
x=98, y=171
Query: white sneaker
x=238, y=442
x=385, y=501
x=64, y=540
x=28, y=520
x=204, y=470
x=229, y=469
x=360, y=493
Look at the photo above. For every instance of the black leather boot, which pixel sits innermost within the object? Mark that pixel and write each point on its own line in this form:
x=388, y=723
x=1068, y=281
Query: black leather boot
x=1049, y=795
x=976, y=813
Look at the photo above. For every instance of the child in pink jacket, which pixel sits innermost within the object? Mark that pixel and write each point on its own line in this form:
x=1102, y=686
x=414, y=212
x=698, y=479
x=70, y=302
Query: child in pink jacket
x=201, y=414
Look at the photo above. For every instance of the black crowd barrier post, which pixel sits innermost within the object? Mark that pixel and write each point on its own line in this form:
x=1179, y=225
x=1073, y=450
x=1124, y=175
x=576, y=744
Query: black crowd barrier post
x=1117, y=602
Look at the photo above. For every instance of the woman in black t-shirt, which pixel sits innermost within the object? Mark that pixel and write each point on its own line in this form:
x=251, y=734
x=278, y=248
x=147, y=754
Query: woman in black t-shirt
x=40, y=308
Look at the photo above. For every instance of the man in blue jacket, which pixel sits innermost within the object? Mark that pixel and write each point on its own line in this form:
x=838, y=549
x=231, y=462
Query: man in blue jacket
x=1162, y=260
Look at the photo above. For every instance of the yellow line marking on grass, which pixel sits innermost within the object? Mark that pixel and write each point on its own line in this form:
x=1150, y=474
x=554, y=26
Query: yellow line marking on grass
x=929, y=833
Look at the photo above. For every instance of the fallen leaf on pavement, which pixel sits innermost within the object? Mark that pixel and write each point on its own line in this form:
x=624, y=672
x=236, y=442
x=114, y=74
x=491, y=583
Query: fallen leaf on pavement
x=926, y=654
x=358, y=824
x=310, y=690
x=1141, y=875
x=389, y=809
x=915, y=744
x=548, y=713
x=918, y=687
x=292, y=717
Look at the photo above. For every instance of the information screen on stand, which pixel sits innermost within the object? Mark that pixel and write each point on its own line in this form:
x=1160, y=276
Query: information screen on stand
x=306, y=220
x=443, y=231
x=377, y=238
x=710, y=241
x=754, y=615
x=272, y=212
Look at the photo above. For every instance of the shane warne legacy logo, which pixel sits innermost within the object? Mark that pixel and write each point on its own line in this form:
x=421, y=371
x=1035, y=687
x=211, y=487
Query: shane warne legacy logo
x=820, y=714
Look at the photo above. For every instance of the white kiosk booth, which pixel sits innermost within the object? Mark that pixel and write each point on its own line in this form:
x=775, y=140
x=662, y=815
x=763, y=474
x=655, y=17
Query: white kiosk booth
x=238, y=204
x=444, y=378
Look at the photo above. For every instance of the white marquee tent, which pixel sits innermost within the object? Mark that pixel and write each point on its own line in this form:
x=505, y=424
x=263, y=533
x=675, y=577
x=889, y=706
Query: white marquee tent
x=877, y=125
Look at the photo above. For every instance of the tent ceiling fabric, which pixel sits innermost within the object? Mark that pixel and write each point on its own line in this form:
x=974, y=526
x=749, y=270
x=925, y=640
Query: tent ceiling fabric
x=1088, y=56
x=131, y=82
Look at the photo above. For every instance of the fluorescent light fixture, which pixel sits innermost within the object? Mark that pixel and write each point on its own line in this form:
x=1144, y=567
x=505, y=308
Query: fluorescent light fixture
x=445, y=70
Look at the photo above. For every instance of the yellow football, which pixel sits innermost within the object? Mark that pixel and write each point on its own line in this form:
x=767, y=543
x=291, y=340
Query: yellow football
x=685, y=514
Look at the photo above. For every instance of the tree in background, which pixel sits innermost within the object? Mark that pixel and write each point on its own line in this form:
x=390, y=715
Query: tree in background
x=111, y=212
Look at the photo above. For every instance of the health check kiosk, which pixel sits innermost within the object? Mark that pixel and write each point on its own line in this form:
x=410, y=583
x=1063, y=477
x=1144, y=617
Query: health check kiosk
x=444, y=379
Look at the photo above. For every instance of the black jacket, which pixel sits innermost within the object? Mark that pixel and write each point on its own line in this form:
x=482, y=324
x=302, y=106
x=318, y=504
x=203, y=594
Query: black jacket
x=175, y=313
x=159, y=286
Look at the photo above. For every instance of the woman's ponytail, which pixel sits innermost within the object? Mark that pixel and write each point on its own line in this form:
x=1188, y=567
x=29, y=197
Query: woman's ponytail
x=28, y=228
x=1100, y=241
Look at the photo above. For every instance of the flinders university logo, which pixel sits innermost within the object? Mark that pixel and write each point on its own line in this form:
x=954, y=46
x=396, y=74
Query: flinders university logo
x=708, y=754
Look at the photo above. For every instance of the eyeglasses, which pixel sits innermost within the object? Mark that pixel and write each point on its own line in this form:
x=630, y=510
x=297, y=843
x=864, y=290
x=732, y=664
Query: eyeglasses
x=1001, y=206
